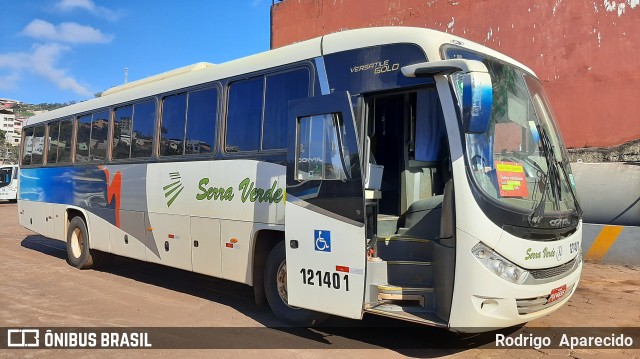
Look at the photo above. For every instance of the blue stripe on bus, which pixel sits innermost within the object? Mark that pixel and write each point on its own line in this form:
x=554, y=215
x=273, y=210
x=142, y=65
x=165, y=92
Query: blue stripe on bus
x=84, y=187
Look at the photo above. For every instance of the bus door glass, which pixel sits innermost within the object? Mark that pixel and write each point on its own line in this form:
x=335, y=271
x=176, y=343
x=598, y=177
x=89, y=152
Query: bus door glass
x=324, y=213
x=5, y=176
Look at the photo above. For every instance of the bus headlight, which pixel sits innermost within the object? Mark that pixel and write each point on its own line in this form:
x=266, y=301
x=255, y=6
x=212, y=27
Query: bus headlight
x=499, y=265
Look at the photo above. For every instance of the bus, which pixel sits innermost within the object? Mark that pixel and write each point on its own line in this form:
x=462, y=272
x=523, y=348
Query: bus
x=9, y=183
x=397, y=171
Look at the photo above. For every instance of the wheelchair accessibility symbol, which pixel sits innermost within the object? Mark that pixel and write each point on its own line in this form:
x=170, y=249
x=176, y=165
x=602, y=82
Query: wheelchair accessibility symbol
x=322, y=240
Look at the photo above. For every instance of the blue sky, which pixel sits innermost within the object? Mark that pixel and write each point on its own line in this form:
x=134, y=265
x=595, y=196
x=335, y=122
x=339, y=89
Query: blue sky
x=63, y=50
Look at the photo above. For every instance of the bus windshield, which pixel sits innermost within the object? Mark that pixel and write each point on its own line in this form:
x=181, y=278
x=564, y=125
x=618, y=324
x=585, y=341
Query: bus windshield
x=5, y=176
x=520, y=161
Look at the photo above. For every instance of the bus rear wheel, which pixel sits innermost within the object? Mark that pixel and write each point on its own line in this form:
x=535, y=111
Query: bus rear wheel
x=275, y=286
x=79, y=254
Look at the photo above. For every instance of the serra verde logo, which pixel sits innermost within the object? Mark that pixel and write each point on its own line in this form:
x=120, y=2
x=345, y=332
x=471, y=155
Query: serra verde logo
x=546, y=253
x=248, y=192
x=173, y=187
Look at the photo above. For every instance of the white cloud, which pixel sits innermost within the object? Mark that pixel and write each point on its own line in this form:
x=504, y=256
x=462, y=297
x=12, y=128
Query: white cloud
x=42, y=61
x=10, y=81
x=69, y=32
x=90, y=6
x=13, y=60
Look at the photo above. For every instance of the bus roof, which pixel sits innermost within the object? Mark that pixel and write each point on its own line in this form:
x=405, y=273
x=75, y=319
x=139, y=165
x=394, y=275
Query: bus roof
x=193, y=75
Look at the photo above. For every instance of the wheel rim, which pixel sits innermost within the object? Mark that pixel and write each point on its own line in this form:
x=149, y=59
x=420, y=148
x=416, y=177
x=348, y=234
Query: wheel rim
x=281, y=282
x=76, y=243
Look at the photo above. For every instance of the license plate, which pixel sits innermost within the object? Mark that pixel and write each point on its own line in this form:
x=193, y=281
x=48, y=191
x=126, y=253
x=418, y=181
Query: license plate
x=557, y=293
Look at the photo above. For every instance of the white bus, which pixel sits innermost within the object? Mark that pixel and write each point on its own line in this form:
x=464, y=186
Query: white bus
x=9, y=182
x=397, y=171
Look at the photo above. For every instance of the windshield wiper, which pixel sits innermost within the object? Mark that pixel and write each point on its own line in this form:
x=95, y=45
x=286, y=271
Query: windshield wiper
x=536, y=216
x=573, y=194
x=552, y=178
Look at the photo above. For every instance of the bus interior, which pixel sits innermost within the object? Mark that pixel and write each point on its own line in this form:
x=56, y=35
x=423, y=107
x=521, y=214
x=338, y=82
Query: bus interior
x=407, y=227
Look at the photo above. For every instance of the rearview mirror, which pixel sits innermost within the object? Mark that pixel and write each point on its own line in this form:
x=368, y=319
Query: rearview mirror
x=472, y=85
x=477, y=99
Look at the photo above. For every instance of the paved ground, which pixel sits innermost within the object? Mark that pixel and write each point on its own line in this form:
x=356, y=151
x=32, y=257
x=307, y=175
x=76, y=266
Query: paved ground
x=38, y=289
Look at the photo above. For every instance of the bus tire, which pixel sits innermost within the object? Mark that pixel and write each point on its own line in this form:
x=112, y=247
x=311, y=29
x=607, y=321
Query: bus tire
x=275, y=285
x=78, y=252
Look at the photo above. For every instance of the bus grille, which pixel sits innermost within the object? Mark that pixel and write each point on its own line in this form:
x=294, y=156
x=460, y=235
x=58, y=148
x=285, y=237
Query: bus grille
x=552, y=272
x=532, y=305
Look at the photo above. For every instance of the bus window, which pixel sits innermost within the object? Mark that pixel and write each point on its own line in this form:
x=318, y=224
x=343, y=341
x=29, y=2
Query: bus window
x=38, y=145
x=144, y=115
x=280, y=89
x=318, y=148
x=122, y=132
x=174, y=111
x=27, y=148
x=5, y=176
x=244, y=115
x=83, y=138
x=52, y=142
x=98, y=143
x=201, y=121
x=64, y=141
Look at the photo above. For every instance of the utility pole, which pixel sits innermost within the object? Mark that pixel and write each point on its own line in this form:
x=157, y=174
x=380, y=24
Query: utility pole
x=126, y=75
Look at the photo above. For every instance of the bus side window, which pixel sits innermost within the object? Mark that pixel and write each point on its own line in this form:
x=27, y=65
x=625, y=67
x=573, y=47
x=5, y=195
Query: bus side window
x=244, y=115
x=144, y=115
x=52, y=142
x=98, y=142
x=122, y=132
x=281, y=88
x=174, y=113
x=27, y=146
x=64, y=141
x=38, y=145
x=201, y=121
x=83, y=137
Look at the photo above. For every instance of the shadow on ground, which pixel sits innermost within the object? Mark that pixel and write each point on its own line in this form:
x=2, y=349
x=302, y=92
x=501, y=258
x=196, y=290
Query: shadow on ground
x=371, y=332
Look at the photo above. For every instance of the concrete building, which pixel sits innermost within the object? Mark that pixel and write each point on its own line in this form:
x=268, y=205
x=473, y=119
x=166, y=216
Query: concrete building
x=11, y=126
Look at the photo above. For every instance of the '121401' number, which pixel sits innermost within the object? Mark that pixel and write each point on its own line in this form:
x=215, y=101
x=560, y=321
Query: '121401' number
x=326, y=279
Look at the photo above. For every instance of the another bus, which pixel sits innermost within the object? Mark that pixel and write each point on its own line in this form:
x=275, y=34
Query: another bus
x=397, y=171
x=9, y=182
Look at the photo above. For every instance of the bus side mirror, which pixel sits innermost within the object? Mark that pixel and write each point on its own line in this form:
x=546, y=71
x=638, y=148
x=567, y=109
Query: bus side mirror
x=477, y=99
x=471, y=79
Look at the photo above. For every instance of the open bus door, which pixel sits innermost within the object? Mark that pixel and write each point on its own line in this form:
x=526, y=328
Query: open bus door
x=324, y=211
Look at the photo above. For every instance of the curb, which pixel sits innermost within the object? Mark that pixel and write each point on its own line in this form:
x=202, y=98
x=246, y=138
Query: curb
x=611, y=244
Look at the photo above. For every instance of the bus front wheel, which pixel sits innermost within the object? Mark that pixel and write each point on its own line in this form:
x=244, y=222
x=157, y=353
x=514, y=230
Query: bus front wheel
x=79, y=254
x=275, y=286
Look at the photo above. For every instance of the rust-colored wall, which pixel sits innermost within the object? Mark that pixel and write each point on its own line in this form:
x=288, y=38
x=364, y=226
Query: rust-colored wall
x=587, y=53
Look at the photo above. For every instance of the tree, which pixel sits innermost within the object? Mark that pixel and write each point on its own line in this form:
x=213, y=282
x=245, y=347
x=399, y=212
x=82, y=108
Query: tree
x=8, y=153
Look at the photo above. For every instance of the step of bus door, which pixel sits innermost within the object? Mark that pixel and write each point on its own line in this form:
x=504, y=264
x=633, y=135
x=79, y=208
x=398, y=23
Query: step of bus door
x=409, y=273
x=400, y=248
x=410, y=299
x=415, y=304
x=387, y=225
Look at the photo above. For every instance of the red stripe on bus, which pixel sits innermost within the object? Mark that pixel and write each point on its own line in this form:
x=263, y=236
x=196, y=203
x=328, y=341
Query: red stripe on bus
x=114, y=191
x=342, y=269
